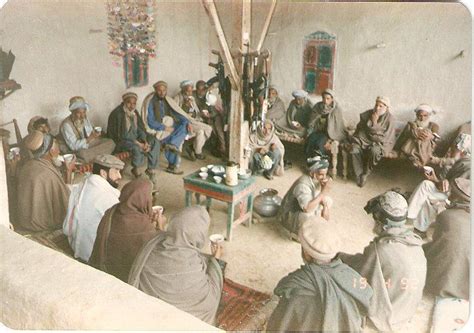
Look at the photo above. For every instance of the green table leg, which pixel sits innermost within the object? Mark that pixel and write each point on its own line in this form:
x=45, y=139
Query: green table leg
x=230, y=220
x=250, y=208
x=198, y=198
x=188, y=198
x=208, y=203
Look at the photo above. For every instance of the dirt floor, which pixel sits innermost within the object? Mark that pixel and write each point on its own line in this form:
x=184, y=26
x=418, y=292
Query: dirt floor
x=260, y=256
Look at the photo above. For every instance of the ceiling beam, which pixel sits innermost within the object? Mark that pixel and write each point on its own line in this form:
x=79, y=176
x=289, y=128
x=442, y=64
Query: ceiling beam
x=211, y=10
x=266, y=25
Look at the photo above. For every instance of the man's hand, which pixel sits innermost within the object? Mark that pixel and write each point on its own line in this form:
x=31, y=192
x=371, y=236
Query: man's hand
x=190, y=128
x=325, y=185
x=431, y=176
x=159, y=220
x=205, y=113
x=217, y=250
x=94, y=135
x=445, y=185
x=71, y=165
x=374, y=117
x=262, y=151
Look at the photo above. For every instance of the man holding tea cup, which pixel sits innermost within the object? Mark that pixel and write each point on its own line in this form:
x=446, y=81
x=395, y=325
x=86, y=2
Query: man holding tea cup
x=77, y=135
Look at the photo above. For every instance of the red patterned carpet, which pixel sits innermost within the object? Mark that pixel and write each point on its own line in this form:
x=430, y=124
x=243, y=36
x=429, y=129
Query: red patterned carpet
x=238, y=305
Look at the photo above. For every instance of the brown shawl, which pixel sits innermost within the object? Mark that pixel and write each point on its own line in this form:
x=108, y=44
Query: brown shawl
x=335, y=125
x=419, y=151
x=383, y=132
x=172, y=268
x=448, y=255
x=124, y=229
x=395, y=267
x=42, y=196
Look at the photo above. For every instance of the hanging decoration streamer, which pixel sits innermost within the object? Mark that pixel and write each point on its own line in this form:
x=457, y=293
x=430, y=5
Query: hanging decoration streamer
x=131, y=31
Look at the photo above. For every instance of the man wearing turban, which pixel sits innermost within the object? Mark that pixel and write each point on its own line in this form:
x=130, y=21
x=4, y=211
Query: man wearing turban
x=198, y=129
x=126, y=128
x=297, y=115
x=78, y=136
x=374, y=138
x=320, y=296
x=307, y=197
x=166, y=120
x=418, y=139
x=393, y=264
x=42, y=193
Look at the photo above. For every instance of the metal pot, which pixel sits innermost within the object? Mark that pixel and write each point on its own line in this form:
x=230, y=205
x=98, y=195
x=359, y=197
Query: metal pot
x=267, y=202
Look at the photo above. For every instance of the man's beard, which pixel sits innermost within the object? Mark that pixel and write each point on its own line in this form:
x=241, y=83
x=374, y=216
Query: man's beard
x=112, y=183
x=422, y=123
x=57, y=162
x=79, y=124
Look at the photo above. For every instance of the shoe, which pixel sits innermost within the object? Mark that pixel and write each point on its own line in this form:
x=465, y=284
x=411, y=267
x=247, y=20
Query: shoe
x=172, y=149
x=190, y=151
x=268, y=175
x=420, y=233
x=136, y=173
x=362, y=180
x=200, y=156
x=151, y=173
x=174, y=170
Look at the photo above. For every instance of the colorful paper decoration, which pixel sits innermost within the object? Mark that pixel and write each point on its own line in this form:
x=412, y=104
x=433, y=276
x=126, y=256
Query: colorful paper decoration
x=131, y=30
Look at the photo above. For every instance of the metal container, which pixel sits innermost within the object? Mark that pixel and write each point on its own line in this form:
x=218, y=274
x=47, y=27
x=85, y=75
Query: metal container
x=267, y=202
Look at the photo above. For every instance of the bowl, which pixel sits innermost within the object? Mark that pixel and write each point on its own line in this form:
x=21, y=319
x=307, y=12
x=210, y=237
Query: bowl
x=68, y=157
x=203, y=169
x=209, y=166
x=158, y=209
x=245, y=174
x=203, y=175
x=98, y=129
x=217, y=179
x=218, y=170
x=216, y=238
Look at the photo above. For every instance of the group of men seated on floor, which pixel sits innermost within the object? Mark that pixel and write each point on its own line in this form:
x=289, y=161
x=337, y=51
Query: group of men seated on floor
x=374, y=137
x=334, y=291
x=120, y=233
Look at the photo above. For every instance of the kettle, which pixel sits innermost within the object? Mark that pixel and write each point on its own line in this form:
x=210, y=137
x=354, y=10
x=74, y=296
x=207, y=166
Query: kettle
x=232, y=173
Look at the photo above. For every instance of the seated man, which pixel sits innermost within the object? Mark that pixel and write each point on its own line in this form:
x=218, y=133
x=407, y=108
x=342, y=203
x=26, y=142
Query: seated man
x=268, y=151
x=39, y=123
x=164, y=119
x=374, y=138
x=88, y=202
x=326, y=124
x=320, y=296
x=42, y=193
x=206, y=102
x=429, y=197
x=276, y=111
x=297, y=115
x=448, y=254
x=308, y=196
x=418, y=139
x=197, y=129
x=76, y=134
x=393, y=264
x=172, y=267
x=126, y=128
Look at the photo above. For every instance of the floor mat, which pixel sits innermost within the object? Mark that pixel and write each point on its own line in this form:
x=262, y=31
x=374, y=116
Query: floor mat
x=239, y=304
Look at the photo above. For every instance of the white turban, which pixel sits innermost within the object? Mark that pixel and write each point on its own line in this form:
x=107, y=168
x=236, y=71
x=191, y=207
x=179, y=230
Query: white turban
x=320, y=238
x=383, y=99
x=299, y=93
x=424, y=107
x=186, y=83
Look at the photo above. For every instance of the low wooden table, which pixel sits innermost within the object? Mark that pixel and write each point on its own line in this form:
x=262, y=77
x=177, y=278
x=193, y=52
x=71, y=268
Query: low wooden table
x=241, y=194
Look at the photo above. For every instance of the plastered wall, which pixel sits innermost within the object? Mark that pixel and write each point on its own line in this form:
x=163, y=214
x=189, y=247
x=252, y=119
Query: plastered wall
x=58, y=57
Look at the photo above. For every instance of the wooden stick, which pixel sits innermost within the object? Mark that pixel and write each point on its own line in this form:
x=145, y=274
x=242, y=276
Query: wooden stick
x=266, y=25
x=211, y=10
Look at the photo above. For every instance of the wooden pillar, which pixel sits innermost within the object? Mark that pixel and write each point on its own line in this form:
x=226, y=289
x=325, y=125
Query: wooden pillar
x=241, y=40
